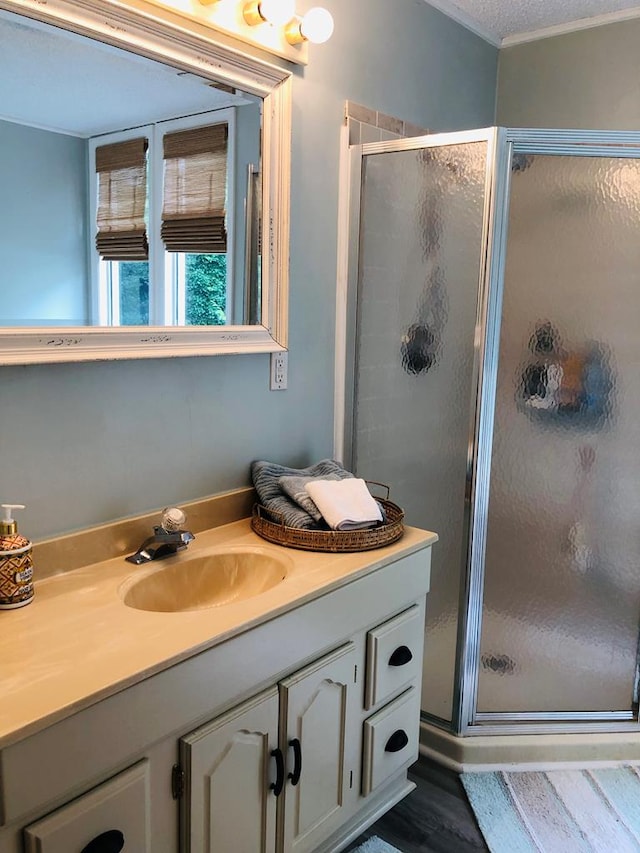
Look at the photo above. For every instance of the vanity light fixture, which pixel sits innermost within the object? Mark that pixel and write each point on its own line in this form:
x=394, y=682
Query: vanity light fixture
x=270, y=25
x=275, y=12
x=316, y=26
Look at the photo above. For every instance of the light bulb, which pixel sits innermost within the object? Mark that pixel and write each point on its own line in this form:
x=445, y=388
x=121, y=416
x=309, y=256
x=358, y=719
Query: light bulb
x=276, y=12
x=317, y=25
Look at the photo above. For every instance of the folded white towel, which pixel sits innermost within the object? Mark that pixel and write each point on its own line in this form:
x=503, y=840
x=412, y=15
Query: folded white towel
x=345, y=504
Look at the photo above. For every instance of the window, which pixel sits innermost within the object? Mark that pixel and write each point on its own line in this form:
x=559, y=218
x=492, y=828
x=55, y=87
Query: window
x=160, y=202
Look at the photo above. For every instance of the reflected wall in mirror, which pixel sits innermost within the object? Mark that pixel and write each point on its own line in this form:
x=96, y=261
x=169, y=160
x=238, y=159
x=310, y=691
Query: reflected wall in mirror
x=135, y=190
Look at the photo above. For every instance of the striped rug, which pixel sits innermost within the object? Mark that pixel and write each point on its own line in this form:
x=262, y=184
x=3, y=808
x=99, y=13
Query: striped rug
x=560, y=811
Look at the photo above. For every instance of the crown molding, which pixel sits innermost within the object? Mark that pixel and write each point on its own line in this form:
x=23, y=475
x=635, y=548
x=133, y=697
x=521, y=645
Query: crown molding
x=452, y=11
x=572, y=27
x=449, y=8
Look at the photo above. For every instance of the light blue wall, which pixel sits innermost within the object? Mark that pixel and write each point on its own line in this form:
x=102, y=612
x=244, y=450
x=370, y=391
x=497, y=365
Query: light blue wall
x=43, y=178
x=586, y=79
x=86, y=443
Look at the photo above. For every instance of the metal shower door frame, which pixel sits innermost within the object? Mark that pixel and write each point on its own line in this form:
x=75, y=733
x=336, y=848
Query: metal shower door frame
x=502, y=144
x=488, y=275
x=467, y=720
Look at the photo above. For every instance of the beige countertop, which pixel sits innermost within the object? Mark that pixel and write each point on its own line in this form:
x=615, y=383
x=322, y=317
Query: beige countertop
x=77, y=642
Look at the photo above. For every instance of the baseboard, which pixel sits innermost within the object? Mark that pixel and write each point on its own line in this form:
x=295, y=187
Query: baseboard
x=529, y=752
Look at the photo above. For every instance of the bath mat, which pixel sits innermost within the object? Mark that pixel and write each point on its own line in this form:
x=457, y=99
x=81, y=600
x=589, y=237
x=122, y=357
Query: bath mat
x=559, y=811
x=375, y=845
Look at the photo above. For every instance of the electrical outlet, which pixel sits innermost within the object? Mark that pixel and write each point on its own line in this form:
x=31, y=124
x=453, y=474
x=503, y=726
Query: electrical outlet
x=279, y=369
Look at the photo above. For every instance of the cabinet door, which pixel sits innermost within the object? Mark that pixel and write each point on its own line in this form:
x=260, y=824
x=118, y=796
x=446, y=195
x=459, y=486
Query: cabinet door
x=394, y=655
x=229, y=804
x=391, y=739
x=322, y=755
x=114, y=816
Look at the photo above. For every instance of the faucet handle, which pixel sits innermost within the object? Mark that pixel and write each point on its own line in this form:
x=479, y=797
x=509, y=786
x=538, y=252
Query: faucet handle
x=173, y=519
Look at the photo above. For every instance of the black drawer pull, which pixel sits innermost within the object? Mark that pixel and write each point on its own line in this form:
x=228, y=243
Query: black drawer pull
x=296, y=746
x=111, y=841
x=397, y=741
x=278, y=785
x=401, y=656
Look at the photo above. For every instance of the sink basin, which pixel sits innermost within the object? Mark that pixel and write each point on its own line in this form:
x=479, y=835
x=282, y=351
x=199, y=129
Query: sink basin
x=204, y=580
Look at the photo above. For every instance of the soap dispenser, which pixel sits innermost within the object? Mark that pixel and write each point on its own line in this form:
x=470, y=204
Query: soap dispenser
x=16, y=567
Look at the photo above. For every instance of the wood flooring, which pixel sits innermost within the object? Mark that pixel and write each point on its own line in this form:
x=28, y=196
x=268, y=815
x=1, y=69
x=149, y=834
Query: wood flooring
x=434, y=818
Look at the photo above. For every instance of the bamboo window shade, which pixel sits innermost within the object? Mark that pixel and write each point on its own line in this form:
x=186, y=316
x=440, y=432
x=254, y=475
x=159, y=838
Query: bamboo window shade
x=195, y=188
x=122, y=199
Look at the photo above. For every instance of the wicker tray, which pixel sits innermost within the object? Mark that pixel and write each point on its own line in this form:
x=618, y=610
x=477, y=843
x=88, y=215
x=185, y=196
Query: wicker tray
x=265, y=523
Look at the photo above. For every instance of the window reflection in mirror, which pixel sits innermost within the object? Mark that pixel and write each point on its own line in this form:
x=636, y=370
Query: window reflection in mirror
x=62, y=98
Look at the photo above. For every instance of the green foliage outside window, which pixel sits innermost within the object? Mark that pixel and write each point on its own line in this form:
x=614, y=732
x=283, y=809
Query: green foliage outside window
x=206, y=291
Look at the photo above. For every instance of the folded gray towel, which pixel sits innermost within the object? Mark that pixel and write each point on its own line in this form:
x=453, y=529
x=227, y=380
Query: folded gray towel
x=294, y=487
x=266, y=476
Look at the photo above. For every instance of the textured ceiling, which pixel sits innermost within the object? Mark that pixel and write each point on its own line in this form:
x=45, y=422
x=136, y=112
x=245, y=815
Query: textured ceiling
x=518, y=20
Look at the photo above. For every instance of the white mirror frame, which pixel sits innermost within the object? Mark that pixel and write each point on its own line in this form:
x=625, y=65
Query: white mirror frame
x=171, y=38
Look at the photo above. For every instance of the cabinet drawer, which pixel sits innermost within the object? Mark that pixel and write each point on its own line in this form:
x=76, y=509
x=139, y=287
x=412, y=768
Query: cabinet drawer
x=394, y=655
x=113, y=814
x=390, y=739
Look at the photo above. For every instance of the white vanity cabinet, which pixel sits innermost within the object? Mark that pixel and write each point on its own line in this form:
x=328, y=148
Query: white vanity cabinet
x=320, y=700
x=307, y=755
x=286, y=758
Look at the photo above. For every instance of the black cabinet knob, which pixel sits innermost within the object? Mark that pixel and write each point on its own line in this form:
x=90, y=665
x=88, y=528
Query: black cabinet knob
x=401, y=656
x=398, y=740
x=111, y=841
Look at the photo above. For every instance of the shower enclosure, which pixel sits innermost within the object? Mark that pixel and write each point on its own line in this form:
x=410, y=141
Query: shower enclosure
x=496, y=368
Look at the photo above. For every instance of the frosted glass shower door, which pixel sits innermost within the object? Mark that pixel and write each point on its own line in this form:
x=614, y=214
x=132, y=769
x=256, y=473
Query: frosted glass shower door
x=422, y=223
x=561, y=605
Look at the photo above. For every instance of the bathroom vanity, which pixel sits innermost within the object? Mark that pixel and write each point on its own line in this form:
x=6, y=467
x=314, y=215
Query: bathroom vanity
x=284, y=720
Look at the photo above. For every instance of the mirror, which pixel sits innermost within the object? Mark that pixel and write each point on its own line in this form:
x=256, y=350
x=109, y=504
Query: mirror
x=75, y=83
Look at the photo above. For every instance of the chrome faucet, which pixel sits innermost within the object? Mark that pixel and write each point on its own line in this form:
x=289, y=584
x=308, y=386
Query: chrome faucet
x=168, y=538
